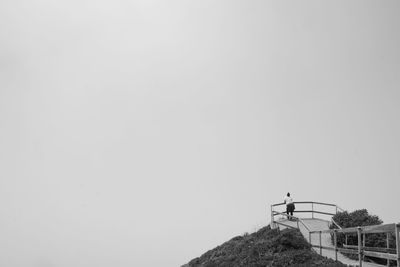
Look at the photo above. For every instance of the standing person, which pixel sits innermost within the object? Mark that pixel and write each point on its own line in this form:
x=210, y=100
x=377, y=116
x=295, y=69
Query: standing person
x=289, y=206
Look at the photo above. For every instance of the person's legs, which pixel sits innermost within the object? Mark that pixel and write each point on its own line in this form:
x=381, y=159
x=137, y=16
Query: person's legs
x=287, y=211
x=291, y=211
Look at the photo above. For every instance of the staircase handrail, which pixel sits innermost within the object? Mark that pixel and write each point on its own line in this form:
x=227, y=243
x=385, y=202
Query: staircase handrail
x=335, y=223
x=296, y=218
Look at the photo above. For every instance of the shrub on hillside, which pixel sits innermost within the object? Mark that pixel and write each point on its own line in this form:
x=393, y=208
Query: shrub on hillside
x=355, y=219
x=267, y=247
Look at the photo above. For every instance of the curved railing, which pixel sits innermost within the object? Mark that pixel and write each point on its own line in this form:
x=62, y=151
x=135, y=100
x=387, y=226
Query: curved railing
x=312, y=208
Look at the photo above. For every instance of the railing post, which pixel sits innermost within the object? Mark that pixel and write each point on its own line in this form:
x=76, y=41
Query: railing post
x=335, y=241
x=363, y=241
x=272, y=217
x=359, y=245
x=312, y=210
x=397, y=229
x=387, y=246
x=320, y=243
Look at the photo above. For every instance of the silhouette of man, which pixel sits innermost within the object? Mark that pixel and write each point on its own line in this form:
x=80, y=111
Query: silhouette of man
x=289, y=206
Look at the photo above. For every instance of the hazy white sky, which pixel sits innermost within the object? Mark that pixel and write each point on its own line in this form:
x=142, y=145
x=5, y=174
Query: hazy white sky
x=143, y=133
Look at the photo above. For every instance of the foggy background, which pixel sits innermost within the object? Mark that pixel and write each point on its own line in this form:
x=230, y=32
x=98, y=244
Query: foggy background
x=144, y=133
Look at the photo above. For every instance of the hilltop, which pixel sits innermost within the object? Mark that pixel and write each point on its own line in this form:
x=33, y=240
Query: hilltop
x=266, y=247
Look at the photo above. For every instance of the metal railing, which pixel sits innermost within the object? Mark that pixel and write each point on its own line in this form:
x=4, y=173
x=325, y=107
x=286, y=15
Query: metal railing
x=312, y=208
x=361, y=250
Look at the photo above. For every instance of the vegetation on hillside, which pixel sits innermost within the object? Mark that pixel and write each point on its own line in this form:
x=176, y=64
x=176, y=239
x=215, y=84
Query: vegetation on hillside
x=266, y=247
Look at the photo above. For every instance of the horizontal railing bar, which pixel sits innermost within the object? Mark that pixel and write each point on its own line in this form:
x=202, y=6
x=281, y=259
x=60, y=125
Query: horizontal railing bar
x=280, y=213
x=383, y=228
x=323, y=247
x=373, y=229
x=322, y=232
x=346, y=250
x=381, y=255
x=373, y=249
x=290, y=226
x=347, y=230
x=308, y=202
x=278, y=204
x=355, y=251
x=308, y=211
x=325, y=204
x=350, y=246
x=285, y=214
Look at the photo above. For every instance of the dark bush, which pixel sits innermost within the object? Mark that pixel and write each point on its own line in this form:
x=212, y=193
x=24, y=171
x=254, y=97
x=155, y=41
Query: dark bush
x=354, y=219
x=289, y=239
x=265, y=247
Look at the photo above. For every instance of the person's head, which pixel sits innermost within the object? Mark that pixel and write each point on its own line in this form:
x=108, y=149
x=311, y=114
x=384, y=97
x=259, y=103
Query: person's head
x=288, y=194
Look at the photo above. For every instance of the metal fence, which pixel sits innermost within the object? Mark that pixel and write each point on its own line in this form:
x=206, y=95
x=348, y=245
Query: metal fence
x=327, y=209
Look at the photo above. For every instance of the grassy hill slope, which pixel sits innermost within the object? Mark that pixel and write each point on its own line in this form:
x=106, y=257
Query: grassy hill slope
x=266, y=247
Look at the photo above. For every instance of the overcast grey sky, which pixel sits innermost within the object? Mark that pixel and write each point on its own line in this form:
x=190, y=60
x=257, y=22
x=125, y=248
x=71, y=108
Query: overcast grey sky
x=143, y=133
